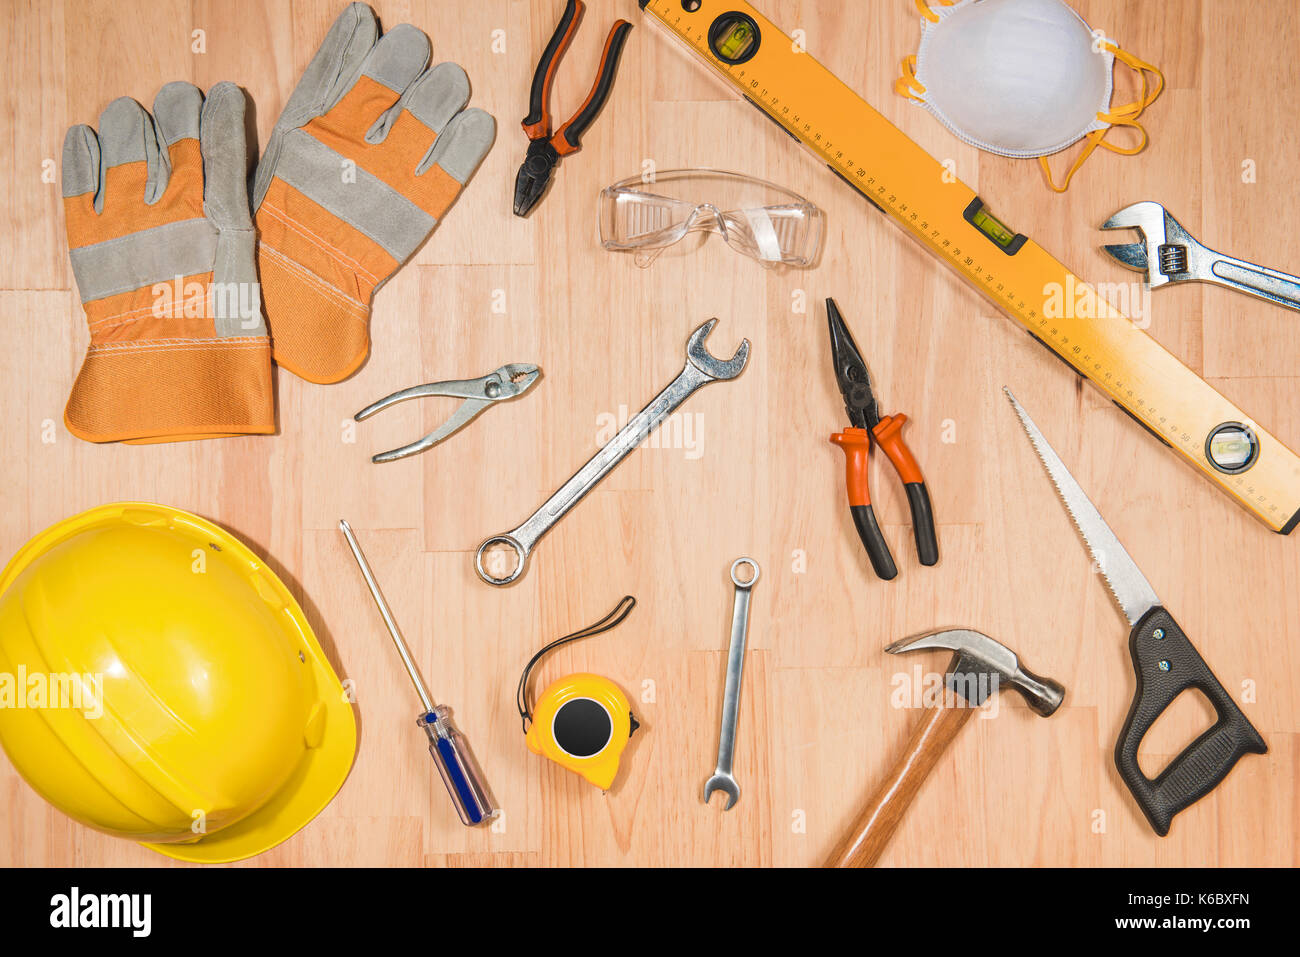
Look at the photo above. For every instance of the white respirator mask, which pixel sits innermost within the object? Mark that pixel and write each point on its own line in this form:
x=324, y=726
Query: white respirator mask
x=1023, y=78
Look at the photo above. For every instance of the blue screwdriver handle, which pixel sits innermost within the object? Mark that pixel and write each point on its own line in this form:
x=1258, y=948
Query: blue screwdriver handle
x=456, y=765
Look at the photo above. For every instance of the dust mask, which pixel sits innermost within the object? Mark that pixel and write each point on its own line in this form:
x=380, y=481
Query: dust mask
x=1023, y=78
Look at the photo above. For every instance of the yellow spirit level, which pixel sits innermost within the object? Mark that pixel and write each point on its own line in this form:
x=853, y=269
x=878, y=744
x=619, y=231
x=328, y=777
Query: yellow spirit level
x=901, y=179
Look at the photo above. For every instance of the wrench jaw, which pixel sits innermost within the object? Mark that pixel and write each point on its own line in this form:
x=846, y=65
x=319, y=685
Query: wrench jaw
x=1147, y=216
x=698, y=355
x=721, y=781
x=1129, y=255
x=1148, y=219
x=1167, y=250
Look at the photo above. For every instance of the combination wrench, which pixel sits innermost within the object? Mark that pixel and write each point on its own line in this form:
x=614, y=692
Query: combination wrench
x=723, y=779
x=701, y=369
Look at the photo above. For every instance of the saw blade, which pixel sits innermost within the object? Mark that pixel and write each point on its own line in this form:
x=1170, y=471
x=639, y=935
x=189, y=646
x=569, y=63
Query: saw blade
x=1132, y=591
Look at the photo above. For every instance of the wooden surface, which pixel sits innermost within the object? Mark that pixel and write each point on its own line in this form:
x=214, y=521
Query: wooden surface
x=821, y=720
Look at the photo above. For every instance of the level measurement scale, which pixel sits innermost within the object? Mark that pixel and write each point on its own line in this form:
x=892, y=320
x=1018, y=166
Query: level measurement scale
x=902, y=180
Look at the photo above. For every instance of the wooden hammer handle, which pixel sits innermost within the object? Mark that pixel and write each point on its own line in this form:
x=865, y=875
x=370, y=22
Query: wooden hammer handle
x=880, y=818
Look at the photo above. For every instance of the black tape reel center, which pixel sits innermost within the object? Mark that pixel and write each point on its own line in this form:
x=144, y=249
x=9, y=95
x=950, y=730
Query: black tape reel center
x=582, y=727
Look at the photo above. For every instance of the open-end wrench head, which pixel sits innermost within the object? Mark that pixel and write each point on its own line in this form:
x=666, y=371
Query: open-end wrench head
x=700, y=357
x=725, y=783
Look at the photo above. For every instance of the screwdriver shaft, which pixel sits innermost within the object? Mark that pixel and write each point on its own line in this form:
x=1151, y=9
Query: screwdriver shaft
x=387, y=615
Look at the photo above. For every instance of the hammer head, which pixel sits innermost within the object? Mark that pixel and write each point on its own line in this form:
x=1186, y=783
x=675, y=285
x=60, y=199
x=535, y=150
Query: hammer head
x=982, y=666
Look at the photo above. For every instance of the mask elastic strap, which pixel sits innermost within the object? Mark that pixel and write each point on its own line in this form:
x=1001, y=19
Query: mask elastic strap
x=1153, y=84
x=928, y=12
x=908, y=85
x=1126, y=116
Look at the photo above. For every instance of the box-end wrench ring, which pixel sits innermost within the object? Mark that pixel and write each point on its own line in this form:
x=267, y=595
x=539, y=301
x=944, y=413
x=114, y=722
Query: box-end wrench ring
x=701, y=368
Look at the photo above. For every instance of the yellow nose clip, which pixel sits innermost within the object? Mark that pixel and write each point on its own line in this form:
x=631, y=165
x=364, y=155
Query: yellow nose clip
x=583, y=721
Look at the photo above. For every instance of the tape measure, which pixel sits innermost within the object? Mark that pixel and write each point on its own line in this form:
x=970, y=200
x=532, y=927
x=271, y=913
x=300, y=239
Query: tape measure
x=902, y=180
x=584, y=721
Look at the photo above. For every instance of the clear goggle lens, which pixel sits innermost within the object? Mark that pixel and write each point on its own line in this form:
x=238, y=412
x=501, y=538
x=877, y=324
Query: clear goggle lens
x=761, y=220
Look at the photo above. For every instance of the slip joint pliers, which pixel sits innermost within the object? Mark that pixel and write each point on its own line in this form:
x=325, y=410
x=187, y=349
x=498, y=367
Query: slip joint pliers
x=508, y=382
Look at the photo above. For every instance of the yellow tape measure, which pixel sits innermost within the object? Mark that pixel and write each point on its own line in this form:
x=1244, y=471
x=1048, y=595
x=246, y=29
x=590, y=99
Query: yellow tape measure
x=901, y=179
x=582, y=722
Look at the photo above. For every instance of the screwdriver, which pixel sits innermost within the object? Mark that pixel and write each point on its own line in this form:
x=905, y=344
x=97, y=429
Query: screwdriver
x=448, y=746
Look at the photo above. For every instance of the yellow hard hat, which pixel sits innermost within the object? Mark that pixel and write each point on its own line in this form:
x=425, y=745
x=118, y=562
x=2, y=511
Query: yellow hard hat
x=218, y=727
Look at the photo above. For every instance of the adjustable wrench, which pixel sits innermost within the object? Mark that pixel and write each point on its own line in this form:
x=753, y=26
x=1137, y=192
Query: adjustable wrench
x=722, y=779
x=701, y=369
x=1168, y=253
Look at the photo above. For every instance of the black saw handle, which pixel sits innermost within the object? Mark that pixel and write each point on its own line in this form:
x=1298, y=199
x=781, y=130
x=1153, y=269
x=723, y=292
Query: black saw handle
x=1167, y=665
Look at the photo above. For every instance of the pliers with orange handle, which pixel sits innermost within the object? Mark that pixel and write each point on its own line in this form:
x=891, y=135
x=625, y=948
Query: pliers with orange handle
x=870, y=428
x=545, y=148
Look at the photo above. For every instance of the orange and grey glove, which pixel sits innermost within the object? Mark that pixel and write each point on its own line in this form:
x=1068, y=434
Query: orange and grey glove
x=161, y=243
x=369, y=153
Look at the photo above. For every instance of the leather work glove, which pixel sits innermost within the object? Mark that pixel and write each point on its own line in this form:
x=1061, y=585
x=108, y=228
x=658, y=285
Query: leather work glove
x=369, y=153
x=161, y=243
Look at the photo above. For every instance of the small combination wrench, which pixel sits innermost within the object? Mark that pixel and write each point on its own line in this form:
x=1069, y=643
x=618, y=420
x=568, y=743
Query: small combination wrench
x=701, y=369
x=723, y=780
x=1168, y=253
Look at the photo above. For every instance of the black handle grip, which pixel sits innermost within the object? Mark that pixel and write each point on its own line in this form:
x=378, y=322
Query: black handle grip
x=927, y=542
x=540, y=90
x=874, y=542
x=1167, y=665
x=613, y=52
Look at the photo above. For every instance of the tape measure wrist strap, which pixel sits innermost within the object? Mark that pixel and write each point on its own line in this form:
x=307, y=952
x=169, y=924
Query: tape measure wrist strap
x=611, y=620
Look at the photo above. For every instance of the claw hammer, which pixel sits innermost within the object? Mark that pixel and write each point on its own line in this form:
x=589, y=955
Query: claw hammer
x=979, y=668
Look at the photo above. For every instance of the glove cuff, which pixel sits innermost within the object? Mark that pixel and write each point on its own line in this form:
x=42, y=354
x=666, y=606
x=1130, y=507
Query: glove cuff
x=168, y=390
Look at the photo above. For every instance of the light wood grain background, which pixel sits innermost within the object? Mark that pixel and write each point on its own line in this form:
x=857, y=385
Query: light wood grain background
x=817, y=726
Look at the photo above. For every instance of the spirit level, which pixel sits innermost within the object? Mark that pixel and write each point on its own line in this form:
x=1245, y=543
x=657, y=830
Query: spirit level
x=904, y=181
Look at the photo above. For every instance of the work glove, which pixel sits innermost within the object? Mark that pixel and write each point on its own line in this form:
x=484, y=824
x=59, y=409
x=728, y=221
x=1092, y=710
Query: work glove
x=367, y=156
x=162, y=247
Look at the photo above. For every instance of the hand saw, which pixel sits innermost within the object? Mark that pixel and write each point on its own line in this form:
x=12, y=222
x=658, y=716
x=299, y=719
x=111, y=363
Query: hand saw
x=1063, y=312
x=1164, y=660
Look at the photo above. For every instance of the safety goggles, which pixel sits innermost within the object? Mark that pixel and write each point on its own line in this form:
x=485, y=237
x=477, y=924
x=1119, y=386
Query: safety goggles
x=759, y=219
